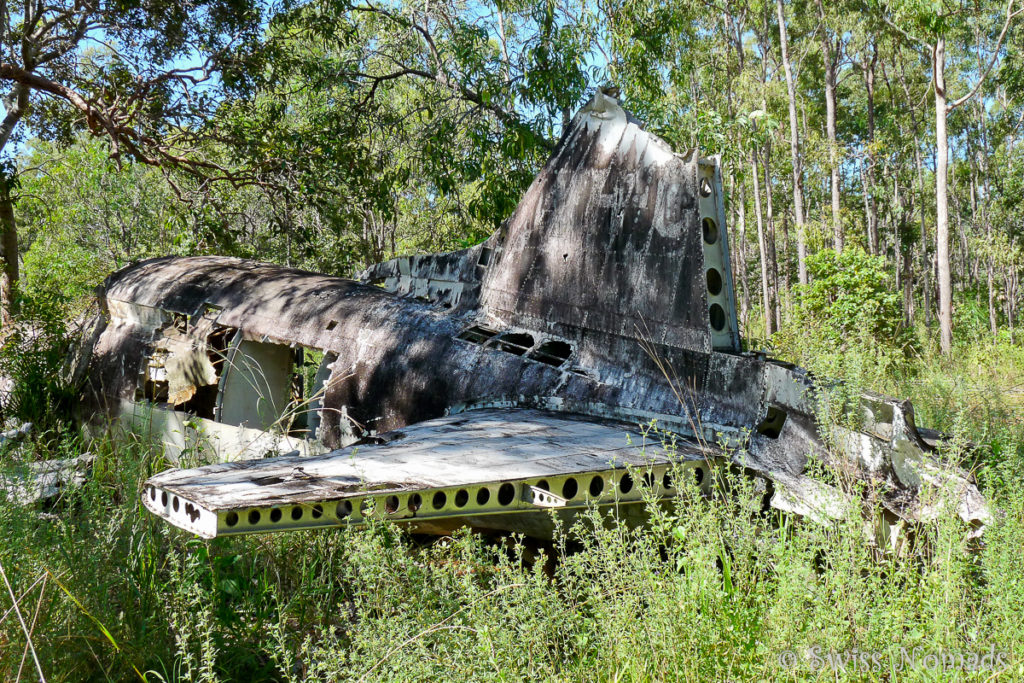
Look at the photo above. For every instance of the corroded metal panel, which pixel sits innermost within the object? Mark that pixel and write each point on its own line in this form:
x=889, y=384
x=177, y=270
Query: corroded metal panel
x=606, y=294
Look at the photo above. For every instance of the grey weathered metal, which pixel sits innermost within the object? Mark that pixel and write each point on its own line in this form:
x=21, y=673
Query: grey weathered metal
x=603, y=302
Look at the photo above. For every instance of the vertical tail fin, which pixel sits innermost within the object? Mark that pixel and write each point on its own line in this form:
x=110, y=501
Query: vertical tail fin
x=617, y=231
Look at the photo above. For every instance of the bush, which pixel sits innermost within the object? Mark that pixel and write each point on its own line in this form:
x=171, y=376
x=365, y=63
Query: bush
x=848, y=312
x=33, y=349
x=711, y=590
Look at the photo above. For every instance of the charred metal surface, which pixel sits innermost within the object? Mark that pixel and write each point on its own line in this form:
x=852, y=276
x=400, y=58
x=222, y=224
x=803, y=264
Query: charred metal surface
x=607, y=293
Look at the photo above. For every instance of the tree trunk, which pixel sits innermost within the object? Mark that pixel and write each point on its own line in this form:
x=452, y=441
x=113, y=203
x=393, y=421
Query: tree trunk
x=941, y=199
x=987, y=218
x=763, y=249
x=741, y=217
x=908, y=285
x=794, y=151
x=16, y=109
x=863, y=170
x=926, y=296
x=830, y=57
x=1010, y=303
x=773, y=261
x=9, y=254
x=869, y=84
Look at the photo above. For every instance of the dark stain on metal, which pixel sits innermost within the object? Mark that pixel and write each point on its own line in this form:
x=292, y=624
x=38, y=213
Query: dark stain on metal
x=592, y=299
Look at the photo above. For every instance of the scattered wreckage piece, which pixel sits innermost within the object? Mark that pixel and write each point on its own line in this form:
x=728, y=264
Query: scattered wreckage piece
x=606, y=295
x=15, y=434
x=36, y=482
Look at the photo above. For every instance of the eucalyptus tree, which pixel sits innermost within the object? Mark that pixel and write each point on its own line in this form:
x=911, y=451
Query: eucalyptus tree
x=394, y=127
x=794, y=146
x=832, y=44
x=143, y=74
x=928, y=27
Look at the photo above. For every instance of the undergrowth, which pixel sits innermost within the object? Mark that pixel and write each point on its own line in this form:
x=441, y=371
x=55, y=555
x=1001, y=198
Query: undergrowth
x=711, y=589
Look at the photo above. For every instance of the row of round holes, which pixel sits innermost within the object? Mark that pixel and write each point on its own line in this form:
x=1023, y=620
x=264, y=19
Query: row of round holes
x=276, y=514
x=506, y=494
x=191, y=510
x=714, y=278
x=570, y=488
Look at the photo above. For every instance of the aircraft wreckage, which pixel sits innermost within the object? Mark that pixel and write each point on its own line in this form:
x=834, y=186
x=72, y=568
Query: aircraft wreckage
x=497, y=386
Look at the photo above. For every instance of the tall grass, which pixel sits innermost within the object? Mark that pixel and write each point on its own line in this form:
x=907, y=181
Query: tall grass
x=711, y=589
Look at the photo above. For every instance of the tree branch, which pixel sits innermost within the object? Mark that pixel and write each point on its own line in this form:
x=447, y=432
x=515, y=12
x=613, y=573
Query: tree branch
x=1010, y=14
x=14, y=114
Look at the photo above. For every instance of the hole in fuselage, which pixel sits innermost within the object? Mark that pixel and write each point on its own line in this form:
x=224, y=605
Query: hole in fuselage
x=506, y=494
x=710, y=230
x=716, y=314
x=552, y=352
x=439, y=500
x=516, y=343
x=596, y=486
x=771, y=425
x=714, y=282
x=461, y=498
x=477, y=334
x=705, y=187
x=570, y=488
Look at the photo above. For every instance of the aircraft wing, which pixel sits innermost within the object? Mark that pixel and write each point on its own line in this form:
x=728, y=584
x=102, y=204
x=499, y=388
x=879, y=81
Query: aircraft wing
x=470, y=465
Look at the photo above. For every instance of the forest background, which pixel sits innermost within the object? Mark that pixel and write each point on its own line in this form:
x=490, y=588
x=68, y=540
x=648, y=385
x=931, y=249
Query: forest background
x=873, y=174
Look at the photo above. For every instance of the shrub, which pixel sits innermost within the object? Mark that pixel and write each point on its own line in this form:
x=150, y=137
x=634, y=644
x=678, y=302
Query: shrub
x=33, y=349
x=847, y=312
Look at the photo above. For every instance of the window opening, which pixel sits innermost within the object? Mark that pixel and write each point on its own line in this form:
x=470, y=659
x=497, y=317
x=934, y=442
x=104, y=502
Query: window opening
x=516, y=343
x=477, y=334
x=302, y=416
x=258, y=385
x=771, y=425
x=552, y=352
x=184, y=370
